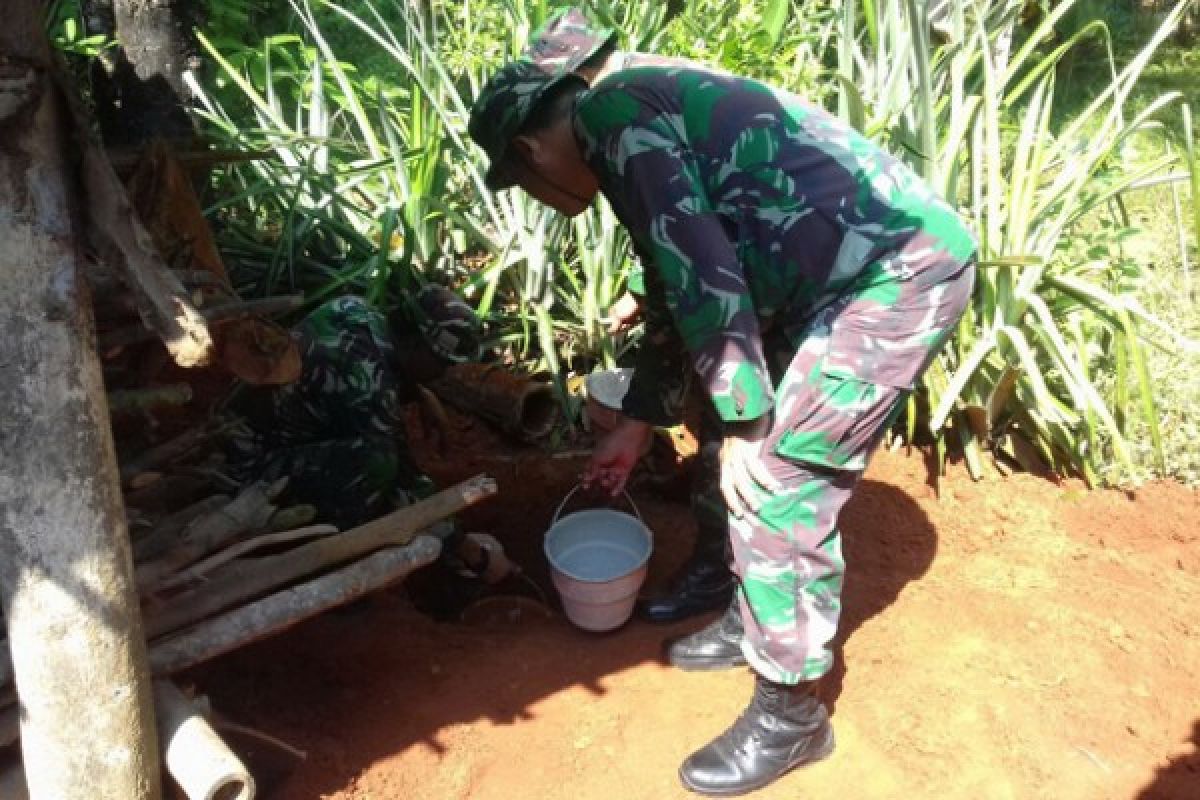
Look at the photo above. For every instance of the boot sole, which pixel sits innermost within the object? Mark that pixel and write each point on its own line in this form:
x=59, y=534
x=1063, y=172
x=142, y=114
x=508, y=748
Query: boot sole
x=825, y=750
x=709, y=664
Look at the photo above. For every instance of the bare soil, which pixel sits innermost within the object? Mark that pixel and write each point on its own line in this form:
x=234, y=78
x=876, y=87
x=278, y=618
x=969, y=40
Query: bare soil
x=1015, y=638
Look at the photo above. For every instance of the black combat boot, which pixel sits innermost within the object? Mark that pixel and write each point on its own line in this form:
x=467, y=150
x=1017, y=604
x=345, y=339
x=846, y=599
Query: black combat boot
x=784, y=727
x=718, y=646
x=704, y=584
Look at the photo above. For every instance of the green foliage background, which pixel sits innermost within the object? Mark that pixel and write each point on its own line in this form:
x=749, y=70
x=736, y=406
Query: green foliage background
x=1042, y=125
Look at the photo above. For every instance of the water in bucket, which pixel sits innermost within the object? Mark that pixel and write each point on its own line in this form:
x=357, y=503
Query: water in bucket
x=598, y=563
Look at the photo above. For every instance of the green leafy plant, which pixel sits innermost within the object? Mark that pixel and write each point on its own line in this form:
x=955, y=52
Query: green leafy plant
x=1018, y=365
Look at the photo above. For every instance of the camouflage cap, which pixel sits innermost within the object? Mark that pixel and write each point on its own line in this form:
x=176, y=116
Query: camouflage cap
x=448, y=325
x=566, y=41
x=502, y=108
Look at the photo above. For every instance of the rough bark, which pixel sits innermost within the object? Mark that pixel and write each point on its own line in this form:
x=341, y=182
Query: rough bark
x=66, y=576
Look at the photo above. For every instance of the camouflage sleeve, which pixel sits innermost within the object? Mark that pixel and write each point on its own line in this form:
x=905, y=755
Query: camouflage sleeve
x=654, y=186
x=660, y=377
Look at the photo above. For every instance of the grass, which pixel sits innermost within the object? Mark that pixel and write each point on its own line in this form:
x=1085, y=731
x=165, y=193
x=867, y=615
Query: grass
x=1170, y=286
x=1165, y=293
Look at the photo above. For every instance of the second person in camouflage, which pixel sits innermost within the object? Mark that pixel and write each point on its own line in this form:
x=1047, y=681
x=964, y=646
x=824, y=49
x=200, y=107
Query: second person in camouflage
x=808, y=277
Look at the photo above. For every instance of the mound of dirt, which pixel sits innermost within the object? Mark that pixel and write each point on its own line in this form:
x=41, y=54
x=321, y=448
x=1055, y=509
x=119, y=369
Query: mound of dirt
x=1015, y=638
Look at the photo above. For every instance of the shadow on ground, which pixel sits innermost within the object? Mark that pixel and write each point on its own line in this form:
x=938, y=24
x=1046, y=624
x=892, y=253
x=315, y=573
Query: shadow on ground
x=352, y=689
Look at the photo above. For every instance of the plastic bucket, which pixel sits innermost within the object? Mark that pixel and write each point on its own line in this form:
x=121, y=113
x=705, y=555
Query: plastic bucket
x=598, y=562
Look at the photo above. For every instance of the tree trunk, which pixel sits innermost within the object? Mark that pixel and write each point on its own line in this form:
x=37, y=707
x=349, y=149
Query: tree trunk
x=66, y=576
x=140, y=92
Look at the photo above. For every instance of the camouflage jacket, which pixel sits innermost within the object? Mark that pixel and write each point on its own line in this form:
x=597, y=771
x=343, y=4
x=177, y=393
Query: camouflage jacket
x=349, y=385
x=751, y=209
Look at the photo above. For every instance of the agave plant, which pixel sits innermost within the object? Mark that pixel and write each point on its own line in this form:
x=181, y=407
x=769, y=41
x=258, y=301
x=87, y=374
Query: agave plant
x=1020, y=363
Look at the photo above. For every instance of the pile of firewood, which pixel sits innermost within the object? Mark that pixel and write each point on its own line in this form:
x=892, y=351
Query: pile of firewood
x=218, y=563
x=230, y=568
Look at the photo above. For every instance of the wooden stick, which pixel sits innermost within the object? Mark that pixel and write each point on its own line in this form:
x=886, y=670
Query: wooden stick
x=224, y=312
x=166, y=533
x=124, y=401
x=200, y=279
x=168, y=451
x=207, y=565
x=250, y=510
x=239, y=582
x=280, y=611
x=196, y=757
x=118, y=234
x=292, y=517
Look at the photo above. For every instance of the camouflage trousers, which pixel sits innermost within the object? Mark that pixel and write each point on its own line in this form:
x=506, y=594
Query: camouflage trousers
x=834, y=400
x=351, y=480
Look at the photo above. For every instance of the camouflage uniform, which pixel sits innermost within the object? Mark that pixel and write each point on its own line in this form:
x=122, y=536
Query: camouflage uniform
x=337, y=432
x=562, y=46
x=769, y=227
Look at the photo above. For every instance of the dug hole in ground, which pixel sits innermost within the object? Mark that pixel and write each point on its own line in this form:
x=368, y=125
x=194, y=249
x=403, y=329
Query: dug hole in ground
x=1015, y=638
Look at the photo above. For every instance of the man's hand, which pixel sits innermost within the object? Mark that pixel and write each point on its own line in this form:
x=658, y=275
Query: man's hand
x=616, y=455
x=622, y=313
x=745, y=480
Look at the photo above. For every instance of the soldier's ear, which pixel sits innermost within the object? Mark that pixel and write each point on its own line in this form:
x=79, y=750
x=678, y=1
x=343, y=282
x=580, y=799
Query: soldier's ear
x=527, y=149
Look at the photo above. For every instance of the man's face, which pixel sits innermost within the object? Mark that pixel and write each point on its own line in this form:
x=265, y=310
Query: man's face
x=547, y=164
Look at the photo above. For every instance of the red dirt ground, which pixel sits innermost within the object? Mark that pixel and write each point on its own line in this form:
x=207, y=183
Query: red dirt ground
x=1014, y=638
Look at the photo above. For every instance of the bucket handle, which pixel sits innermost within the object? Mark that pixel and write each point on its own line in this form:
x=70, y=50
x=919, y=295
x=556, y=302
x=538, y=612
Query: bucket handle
x=578, y=486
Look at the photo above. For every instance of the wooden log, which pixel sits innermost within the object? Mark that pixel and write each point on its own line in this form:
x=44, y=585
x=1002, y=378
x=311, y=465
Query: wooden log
x=520, y=406
x=175, y=448
x=206, y=565
x=250, y=510
x=127, y=401
x=216, y=314
x=201, y=279
x=292, y=517
x=66, y=578
x=241, y=581
x=282, y=610
x=166, y=533
x=144, y=480
x=196, y=756
x=118, y=235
